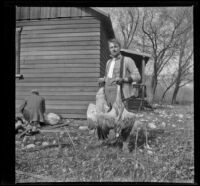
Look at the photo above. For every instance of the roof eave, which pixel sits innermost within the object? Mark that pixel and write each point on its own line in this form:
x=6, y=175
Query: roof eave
x=100, y=11
x=106, y=19
x=136, y=53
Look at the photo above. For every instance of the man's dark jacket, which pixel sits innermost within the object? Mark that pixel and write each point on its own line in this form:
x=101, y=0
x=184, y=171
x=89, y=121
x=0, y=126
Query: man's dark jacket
x=34, y=108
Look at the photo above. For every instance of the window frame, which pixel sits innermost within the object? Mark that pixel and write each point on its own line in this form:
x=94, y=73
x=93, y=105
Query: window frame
x=18, y=31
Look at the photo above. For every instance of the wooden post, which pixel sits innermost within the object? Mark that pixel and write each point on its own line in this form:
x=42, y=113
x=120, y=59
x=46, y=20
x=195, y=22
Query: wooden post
x=143, y=88
x=143, y=68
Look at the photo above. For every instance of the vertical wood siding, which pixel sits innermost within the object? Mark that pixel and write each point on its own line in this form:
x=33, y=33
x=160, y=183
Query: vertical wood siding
x=65, y=12
x=53, y=12
x=61, y=58
x=24, y=13
x=44, y=13
x=35, y=12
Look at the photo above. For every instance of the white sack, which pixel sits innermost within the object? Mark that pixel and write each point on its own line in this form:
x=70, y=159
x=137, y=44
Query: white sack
x=52, y=118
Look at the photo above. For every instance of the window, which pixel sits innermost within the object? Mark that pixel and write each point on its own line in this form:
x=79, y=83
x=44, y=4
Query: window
x=17, y=52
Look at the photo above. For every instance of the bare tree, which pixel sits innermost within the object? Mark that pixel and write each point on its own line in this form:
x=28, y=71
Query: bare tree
x=184, y=66
x=182, y=76
x=153, y=30
x=128, y=23
x=125, y=23
x=169, y=85
x=162, y=31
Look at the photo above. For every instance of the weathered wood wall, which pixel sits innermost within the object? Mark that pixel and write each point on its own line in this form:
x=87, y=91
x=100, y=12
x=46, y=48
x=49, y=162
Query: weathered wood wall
x=61, y=58
x=26, y=13
x=62, y=54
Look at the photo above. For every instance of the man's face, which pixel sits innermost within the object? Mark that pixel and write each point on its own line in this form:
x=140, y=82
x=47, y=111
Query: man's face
x=114, y=49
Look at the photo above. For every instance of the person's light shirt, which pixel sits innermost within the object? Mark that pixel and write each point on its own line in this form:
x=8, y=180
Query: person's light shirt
x=110, y=72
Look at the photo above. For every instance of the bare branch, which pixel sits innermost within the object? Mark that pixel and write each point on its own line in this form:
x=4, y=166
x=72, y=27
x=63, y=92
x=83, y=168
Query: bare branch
x=135, y=28
x=186, y=71
x=172, y=36
x=171, y=84
x=148, y=34
x=150, y=23
x=162, y=65
x=123, y=33
x=187, y=82
x=187, y=60
x=132, y=23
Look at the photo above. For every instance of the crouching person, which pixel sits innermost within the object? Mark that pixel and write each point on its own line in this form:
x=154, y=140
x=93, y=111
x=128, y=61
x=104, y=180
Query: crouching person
x=33, y=109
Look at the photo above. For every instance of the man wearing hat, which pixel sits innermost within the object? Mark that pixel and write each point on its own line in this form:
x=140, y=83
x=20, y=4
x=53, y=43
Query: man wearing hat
x=33, y=108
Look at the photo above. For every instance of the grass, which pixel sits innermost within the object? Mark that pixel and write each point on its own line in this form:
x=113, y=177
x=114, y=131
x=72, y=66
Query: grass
x=169, y=159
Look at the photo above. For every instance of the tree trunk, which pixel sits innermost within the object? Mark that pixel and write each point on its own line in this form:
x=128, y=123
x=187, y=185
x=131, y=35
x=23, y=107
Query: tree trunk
x=150, y=95
x=163, y=96
x=154, y=82
x=152, y=89
x=175, y=93
x=154, y=85
x=165, y=92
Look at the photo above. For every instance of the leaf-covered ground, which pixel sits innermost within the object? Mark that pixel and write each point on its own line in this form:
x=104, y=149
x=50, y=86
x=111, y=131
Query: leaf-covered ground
x=76, y=155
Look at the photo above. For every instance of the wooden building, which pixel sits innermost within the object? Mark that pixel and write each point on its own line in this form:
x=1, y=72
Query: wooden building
x=61, y=51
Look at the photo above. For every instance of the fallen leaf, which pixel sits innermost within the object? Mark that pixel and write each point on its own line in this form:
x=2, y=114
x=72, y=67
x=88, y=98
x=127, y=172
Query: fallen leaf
x=147, y=147
x=191, y=168
x=91, y=131
x=149, y=152
x=45, y=143
x=151, y=125
x=180, y=115
x=38, y=143
x=164, y=168
x=30, y=146
x=156, y=158
x=17, y=142
x=62, y=133
x=83, y=128
x=54, y=142
x=25, y=139
x=163, y=124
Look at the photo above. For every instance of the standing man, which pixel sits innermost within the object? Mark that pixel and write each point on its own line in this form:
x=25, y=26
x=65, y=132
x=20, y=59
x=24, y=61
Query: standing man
x=112, y=77
x=120, y=73
x=33, y=108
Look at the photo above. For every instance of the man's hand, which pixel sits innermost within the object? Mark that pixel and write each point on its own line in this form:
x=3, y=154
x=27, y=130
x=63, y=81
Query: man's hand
x=119, y=81
x=128, y=80
x=101, y=80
